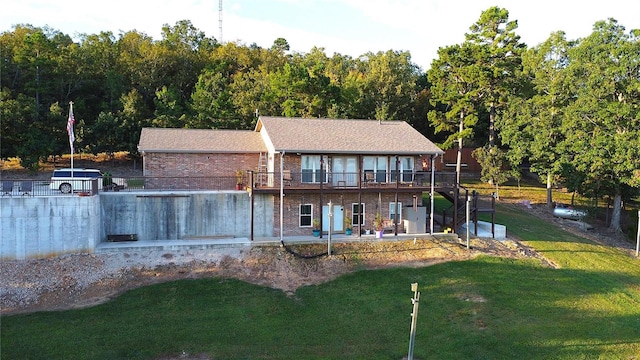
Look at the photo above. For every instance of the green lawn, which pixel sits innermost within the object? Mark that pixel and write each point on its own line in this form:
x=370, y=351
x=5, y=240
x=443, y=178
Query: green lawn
x=486, y=308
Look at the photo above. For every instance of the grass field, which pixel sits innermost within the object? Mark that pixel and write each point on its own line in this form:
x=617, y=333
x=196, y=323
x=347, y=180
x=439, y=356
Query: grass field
x=486, y=308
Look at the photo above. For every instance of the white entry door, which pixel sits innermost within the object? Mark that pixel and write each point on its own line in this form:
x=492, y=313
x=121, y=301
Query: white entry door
x=338, y=218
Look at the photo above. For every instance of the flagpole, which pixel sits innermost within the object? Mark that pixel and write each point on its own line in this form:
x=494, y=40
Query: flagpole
x=70, y=123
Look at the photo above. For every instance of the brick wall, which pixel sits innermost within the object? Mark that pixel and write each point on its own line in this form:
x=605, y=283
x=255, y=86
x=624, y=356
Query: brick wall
x=178, y=164
x=291, y=213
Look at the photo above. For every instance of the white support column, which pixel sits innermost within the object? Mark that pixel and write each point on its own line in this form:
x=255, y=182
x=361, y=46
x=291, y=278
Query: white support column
x=281, y=196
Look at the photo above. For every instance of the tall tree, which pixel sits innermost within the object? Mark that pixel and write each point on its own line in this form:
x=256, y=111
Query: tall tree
x=183, y=52
x=480, y=73
x=454, y=96
x=602, y=125
x=498, y=58
x=389, y=84
x=531, y=127
x=212, y=103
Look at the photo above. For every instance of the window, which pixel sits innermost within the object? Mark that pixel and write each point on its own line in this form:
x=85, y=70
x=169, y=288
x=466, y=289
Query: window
x=357, y=214
x=310, y=166
x=306, y=215
x=406, y=169
x=344, y=170
x=376, y=165
x=392, y=211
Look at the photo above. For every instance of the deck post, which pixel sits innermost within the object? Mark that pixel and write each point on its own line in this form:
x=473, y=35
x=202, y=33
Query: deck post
x=433, y=180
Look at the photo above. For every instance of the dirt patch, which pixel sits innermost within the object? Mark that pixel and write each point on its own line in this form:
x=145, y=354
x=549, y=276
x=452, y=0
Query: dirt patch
x=76, y=281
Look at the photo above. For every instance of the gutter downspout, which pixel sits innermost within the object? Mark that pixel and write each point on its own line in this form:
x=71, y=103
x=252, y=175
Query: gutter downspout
x=281, y=195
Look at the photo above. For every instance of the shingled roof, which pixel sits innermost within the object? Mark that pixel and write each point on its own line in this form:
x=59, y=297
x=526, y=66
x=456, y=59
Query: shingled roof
x=200, y=141
x=299, y=135
x=346, y=136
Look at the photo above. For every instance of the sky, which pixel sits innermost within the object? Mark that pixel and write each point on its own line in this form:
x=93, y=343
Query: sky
x=347, y=27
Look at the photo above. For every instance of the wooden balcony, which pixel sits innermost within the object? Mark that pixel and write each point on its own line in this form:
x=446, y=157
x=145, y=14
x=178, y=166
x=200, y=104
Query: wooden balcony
x=309, y=182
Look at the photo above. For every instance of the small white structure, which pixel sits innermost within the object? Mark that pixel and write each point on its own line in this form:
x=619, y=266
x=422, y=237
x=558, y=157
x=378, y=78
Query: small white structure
x=484, y=230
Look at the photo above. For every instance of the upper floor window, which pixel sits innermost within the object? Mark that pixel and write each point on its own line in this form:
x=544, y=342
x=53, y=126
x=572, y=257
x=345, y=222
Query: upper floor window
x=376, y=165
x=406, y=167
x=310, y=167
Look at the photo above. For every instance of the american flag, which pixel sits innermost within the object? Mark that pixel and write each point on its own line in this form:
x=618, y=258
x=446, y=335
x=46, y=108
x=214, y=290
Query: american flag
x=70, y=123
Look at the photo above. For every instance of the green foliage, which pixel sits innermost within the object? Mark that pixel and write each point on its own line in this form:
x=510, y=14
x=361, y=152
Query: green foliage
x=604, y=126
x=531, y=126
x=562, y=103
x=135, y=183
x=491, y=159
x=378, y=222
x=107, y=178
x=453, y=94
x=185, y=79
x=581, y=123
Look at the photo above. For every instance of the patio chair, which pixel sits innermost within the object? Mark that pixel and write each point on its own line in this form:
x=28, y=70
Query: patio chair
x=26, y=188
x=286, y=176
x=7, y=187
x=369, y=179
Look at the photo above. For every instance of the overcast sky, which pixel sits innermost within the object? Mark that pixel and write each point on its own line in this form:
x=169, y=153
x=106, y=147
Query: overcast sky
x=348, y=27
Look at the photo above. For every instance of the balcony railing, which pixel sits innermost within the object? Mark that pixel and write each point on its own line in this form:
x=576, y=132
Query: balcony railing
x=346, y=180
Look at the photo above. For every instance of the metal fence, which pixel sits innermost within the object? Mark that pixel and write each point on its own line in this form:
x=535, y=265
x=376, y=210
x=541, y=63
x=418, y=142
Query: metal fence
x=30, y=187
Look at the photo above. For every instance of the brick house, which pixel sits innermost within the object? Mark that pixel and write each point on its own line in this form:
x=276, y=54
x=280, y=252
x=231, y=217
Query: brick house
x=360, y=167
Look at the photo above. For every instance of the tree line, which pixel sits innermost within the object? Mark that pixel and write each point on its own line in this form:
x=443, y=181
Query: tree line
x=570, y=109
x=567, y=108
x=119, y=85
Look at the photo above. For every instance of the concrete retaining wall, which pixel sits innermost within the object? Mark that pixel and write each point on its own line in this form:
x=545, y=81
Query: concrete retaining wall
x=183, y=215
x=37, y=227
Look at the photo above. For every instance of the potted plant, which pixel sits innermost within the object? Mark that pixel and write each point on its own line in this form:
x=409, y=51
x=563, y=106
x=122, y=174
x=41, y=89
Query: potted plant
x=378, y=225
x=316, y=227
x=107, y=181
x=347, y=226
x=239, y=179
